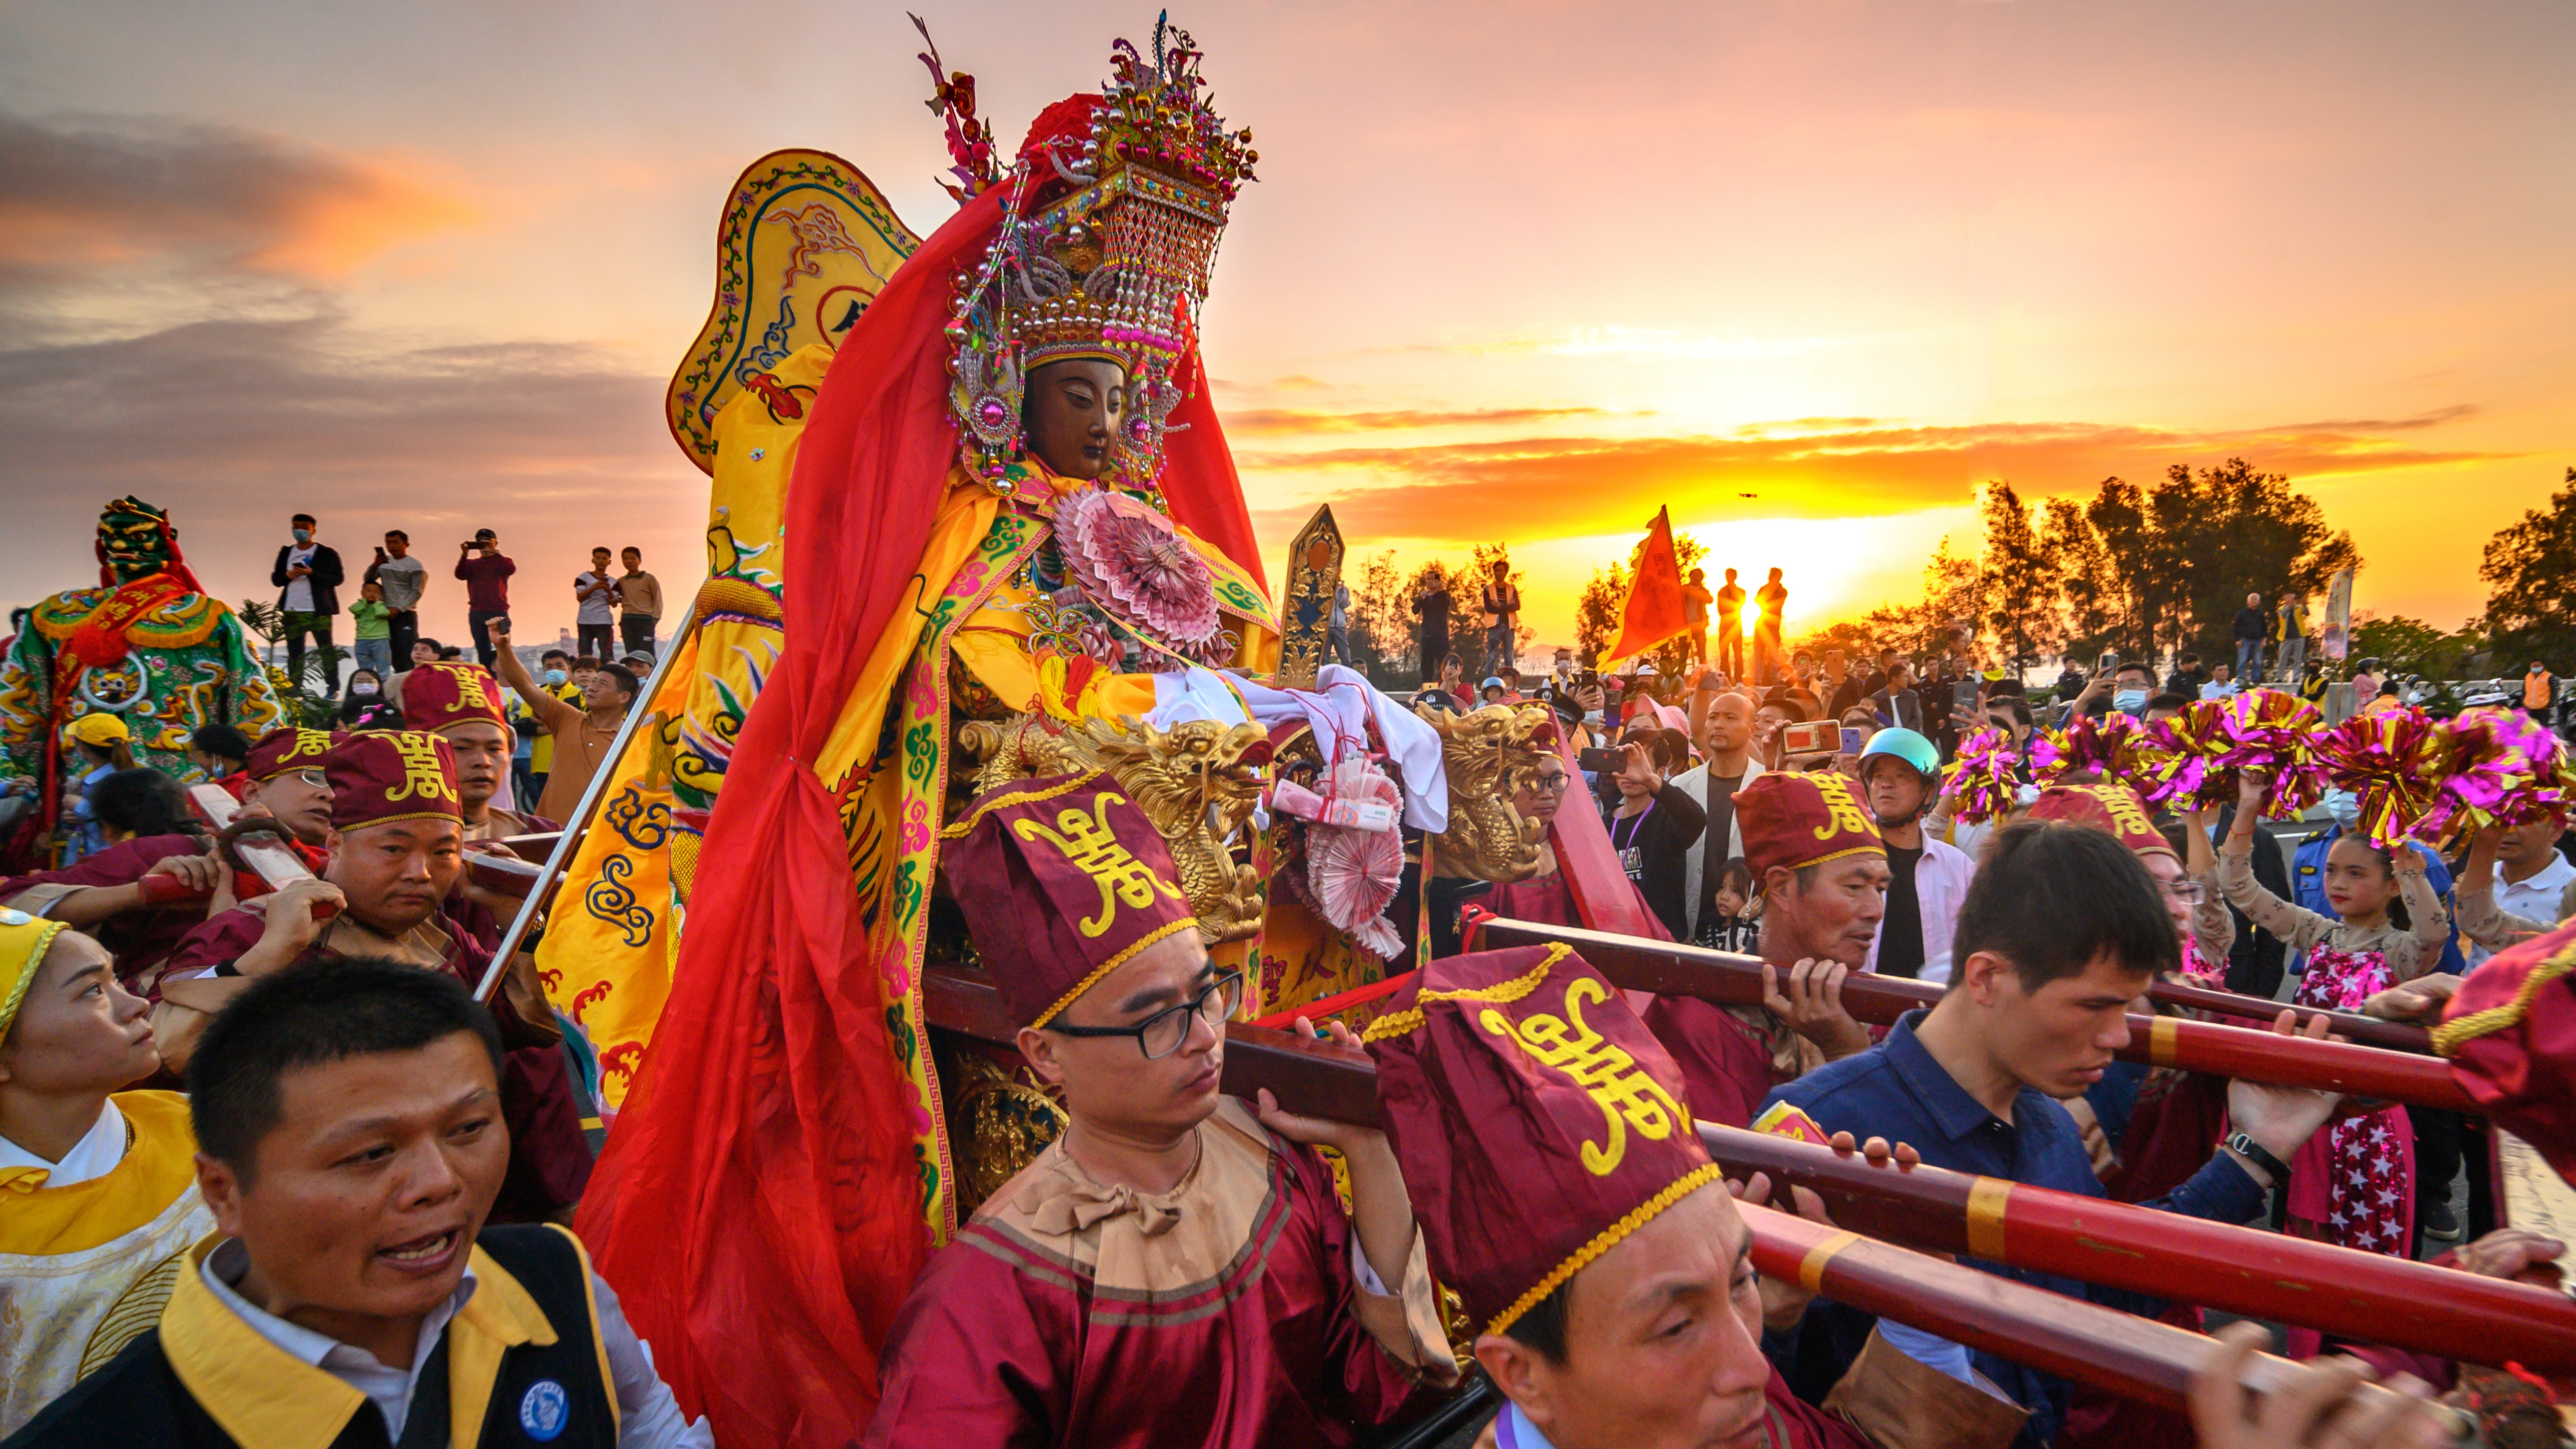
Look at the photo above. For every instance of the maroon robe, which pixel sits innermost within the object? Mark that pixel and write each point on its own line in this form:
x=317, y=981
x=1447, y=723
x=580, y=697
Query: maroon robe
x=1251, y=1339
x=1726, y=1067
x=550, y=1159
x=1544, y=899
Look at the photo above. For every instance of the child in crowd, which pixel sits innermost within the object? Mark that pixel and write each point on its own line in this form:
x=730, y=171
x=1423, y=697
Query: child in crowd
x=140, y=802
x=2353, y=1184
x=105, y=746
x=375, y=632
x=1736, y=924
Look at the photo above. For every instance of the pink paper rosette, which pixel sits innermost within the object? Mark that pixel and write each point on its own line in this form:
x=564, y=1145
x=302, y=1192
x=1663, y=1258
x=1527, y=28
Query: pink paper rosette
x=2500, y=767
x=1134, y=566
x=2393, y=761
x=1980, y=784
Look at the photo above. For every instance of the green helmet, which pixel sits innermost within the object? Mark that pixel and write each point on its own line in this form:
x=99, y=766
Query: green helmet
x=1904, y=745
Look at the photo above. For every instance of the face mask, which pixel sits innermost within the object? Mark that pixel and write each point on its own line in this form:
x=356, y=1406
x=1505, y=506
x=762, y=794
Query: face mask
x=362, y=688
x=2344, y=806
x=554, y=676
x=2130, y=701
x=304, y=535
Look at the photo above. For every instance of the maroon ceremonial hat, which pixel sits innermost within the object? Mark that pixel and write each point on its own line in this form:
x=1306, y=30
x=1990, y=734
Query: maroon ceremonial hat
x=281, y=751
x=1062, y=881
x=1797, y=820
x=1538, y=1122
x=2510, y=1036
x=380, y=776
x=2115, y=808
x=435, y=696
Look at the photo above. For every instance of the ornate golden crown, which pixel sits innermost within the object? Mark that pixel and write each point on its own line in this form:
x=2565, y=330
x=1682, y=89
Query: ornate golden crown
x=1109, y=230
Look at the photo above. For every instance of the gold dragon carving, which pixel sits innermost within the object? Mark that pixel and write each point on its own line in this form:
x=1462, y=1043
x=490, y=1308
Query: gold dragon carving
x=1489, y=754
x=1198, y=782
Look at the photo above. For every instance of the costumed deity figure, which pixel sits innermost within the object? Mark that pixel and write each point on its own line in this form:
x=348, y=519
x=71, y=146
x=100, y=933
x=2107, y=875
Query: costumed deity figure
x=148, y=645
x=788, y=1118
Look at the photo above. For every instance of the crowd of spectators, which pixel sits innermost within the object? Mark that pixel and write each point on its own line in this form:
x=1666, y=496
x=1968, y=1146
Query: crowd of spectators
x=1665, y=756
x=618, y=605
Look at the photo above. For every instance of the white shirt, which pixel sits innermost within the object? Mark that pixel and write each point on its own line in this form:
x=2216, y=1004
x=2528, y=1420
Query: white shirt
x=94, y=1156
x=2534, y=898
x=299, y=592
x=2215, y=689
x=648, y=1417
x=1941, y=877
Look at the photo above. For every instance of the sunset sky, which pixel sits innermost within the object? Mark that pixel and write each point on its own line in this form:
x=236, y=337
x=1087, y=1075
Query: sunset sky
x=1512, y=271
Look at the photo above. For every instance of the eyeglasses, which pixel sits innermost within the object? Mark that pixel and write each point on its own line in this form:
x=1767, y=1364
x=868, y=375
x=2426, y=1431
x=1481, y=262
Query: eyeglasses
x=1549, y=784
x=1161, y=1034
x=2189, y=892
x=314, y=778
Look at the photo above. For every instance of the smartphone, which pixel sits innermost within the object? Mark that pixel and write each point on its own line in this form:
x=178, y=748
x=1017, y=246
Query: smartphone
x=1851, y=740
x=1963, y=696
x=1588, y=679
x=1601, y=762
x=1809, y=737
x=2109, y=663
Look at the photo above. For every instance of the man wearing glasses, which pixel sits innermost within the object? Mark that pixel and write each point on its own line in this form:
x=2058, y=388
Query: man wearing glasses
x=1173, y=1268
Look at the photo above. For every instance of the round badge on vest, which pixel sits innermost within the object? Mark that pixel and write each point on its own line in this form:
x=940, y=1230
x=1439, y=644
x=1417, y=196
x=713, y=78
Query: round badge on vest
x=543, y=1410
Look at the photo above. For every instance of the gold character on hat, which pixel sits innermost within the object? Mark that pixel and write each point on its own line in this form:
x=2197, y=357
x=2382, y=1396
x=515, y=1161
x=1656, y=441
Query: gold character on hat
x=2125, y=809
x=315, y=743
x=1093, y=847
x=422, y=778
x=469, y=689
x=1842, y=810
x=1627, y=1095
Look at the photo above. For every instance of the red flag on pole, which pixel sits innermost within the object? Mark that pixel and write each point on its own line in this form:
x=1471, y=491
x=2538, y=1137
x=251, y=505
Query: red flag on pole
x=1655, y=611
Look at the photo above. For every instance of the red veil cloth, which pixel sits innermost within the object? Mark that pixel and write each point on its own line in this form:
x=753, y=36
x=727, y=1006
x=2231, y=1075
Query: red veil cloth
x=758, y=1207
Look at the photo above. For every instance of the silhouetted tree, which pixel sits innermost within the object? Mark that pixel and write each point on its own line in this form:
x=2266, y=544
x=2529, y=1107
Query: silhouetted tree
x=2531, y=570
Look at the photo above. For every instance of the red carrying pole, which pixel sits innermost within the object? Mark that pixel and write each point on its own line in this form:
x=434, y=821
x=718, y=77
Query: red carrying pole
x=2363, y=1297
x=1666, y=968
x=2116, y=1352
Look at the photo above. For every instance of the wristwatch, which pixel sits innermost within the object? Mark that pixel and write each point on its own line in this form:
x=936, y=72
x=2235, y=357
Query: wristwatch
x=2253, y=1151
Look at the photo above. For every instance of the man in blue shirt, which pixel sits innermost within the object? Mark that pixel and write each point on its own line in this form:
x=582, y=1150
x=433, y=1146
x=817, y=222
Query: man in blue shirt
x=2061, y=931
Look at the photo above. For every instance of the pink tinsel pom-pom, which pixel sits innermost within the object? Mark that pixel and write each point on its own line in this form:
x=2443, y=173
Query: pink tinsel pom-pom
x=1981, y=784
x=2500, y=767
x=2275, y=732
x=2393, y=761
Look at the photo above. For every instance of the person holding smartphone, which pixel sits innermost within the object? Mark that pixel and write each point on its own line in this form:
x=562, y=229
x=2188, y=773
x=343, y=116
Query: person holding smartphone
x=1656, y=822
x=486, y=572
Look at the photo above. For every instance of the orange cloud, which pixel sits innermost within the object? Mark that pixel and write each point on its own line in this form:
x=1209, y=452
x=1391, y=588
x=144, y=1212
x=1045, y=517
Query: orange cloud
x=1551, y=487
x=78, y=200
x=1270, y=422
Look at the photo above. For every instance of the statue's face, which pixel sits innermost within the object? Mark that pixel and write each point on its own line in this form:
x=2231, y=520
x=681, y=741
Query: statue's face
x=133, y=543
x=1072, y=416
